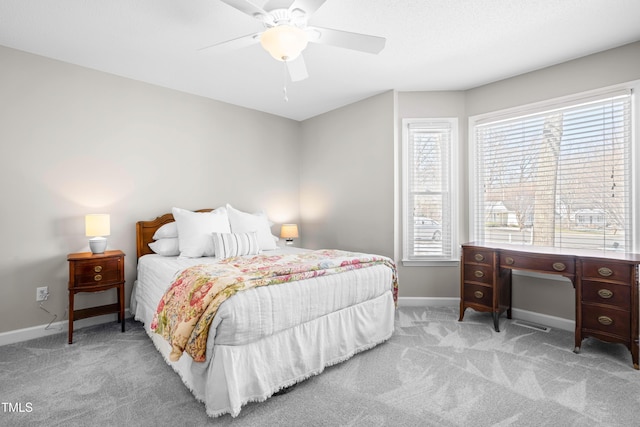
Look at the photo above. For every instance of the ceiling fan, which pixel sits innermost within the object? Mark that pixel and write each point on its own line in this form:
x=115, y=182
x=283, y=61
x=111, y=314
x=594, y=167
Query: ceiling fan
x=286, y=33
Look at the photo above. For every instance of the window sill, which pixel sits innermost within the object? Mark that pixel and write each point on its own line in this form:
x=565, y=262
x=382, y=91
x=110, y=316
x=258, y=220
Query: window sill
x=434, y=263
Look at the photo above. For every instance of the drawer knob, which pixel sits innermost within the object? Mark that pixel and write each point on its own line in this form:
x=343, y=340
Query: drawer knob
x=559, y=266
x=605, y=293
x=97, y=268
x=605, y=320
x=97, y=277
x=605, y=271
x=478, y=274
x=478, y=294
x=478, y=257
x=509, y=260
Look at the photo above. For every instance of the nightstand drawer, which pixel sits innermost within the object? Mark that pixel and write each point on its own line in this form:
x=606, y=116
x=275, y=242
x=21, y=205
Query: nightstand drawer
x=98, y=272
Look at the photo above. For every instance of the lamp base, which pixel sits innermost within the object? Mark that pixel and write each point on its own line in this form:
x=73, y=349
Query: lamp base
x=98, y=244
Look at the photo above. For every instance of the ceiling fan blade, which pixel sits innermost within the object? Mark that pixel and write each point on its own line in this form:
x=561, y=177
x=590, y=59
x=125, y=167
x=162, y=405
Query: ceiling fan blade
x=347, y=40
x=309, y=6
x=233, y=44
x=277, y=4
x=250, y=9
x=297, y=69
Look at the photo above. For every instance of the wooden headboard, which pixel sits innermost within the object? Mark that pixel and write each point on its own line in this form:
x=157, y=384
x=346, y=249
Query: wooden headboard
x=146, y=229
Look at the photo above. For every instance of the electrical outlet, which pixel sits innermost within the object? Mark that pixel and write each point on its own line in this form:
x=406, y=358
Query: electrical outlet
x=42, y=293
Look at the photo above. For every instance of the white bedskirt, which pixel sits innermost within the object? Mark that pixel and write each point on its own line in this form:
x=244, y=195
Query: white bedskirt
x=268, y=338
x=285, y=358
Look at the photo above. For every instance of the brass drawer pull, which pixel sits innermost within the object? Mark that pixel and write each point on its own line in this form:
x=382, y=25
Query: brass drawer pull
x=559, y=266
x=509, y=260
x=605, y=293
x=97, y=268
x=478, y=257
x=478, y=294
x=478, y=274
x=97, y=277
x=605, y=320
x=605, y=271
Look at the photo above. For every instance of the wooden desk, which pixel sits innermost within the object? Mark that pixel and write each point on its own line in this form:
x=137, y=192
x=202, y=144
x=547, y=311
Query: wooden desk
x=606, y=285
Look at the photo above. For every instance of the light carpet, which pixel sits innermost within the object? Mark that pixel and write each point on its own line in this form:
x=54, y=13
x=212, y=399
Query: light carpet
x=434, y=371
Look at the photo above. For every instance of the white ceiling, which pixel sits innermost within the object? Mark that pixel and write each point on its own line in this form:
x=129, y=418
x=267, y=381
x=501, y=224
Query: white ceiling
x=431, y=44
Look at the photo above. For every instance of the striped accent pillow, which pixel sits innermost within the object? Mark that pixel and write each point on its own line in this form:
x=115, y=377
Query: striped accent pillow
x=228, y=245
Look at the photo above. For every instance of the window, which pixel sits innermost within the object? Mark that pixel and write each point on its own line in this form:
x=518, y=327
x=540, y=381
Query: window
x=555, y=175
x=429, y=159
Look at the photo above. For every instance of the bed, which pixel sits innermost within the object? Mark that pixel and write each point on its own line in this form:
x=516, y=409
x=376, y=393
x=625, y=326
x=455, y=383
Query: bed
x=265, y=339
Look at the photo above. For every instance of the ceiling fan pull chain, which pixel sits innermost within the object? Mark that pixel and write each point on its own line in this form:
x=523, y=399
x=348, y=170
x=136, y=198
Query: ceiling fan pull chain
x=284, y=85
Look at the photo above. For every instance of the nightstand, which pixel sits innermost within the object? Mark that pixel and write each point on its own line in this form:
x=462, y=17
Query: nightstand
x=90, y=272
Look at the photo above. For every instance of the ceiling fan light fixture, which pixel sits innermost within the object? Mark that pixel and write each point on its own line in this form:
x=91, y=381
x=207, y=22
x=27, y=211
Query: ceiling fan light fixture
x=284, y=42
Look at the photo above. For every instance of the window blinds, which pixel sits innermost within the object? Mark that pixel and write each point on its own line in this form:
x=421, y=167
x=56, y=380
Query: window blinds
x=559, y=177
x=428, y=207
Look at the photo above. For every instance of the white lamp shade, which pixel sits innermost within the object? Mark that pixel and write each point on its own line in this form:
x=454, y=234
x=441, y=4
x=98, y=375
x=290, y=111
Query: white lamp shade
x=97, y=225
x=284, y=42
x=289, y=231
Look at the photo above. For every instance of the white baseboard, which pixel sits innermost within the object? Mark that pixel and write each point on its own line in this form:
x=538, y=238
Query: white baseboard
x=428, y=302
x=33, y=332
x=516, y=313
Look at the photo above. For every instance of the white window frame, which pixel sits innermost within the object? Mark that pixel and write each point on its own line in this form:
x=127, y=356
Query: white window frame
x=453, y=258
x=634, y=86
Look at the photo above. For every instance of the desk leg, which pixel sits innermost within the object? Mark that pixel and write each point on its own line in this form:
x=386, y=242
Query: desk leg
x=71, y=317
x=462, y=309
x=506, y=285
x=578, y=341
x=496, y=323
x=121, y=304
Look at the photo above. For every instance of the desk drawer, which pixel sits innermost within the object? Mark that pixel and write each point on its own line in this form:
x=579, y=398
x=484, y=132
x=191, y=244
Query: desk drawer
x=478, y=256
x=538, y=262
x=607, y=320
x=606, y=293
x=607, y=270
x=478, y=273
x=478, y=294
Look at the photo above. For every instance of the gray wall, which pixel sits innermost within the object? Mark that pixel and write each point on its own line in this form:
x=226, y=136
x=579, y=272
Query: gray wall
x=75, y=141
x=347, y=177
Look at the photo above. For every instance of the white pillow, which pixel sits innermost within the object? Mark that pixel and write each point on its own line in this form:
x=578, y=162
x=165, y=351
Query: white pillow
x=166, y=247
x=242, y=222
x=235, y=244
x=195, y=228
x=167, y=231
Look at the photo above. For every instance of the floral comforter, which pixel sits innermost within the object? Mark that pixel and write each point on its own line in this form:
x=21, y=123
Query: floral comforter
x=185, y=312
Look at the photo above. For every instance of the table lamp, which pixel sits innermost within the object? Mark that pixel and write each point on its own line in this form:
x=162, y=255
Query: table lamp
x=289, y=232
x=97, y=226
